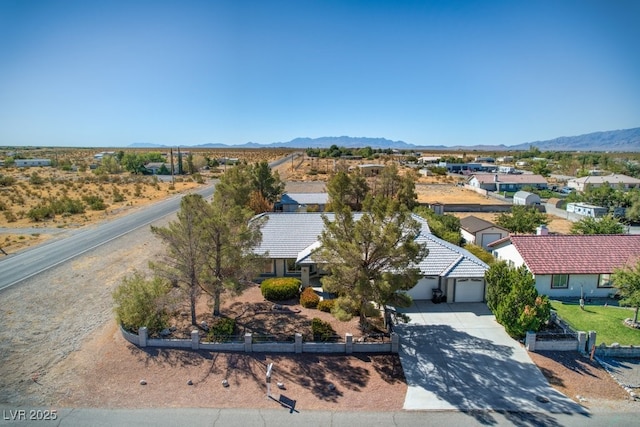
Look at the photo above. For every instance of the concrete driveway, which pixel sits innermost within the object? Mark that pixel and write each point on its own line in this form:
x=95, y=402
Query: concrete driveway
x=457, y=357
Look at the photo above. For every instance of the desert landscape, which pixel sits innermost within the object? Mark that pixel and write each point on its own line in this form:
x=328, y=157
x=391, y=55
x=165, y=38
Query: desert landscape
x=104, y=196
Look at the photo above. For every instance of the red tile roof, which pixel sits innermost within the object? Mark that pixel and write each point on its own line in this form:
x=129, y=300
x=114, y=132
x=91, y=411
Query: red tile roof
x=576, y=254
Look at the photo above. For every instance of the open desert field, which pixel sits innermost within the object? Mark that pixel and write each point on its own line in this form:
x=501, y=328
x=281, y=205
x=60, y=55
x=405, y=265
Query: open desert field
x=37, y=203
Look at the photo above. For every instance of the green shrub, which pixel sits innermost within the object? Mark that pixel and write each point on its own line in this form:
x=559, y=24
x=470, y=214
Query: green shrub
x=95, y=202
x=280, y=288
x=309, y=298
x=36, y=179
x=140, y=302
x=10, y=216
x=344, y=308
x=6, y=181
x=221, y=330
x=40, y=213
x=321, y=330
x=326, y=305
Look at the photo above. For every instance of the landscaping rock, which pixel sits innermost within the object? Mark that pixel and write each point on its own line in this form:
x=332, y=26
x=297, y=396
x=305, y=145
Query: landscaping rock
x=143, y=382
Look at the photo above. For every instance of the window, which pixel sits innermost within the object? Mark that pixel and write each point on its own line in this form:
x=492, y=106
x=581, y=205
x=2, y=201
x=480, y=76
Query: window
x=292, y=267
x=605, y=281
x=268, y=267
x=559, y=281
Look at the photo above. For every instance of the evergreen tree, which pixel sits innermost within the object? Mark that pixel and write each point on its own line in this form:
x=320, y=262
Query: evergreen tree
x=372, y=259
x=627, y=280
x=186, y=249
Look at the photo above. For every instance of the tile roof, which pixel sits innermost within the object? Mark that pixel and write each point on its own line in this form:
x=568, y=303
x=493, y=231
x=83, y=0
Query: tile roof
x=576, y=254
x=295, y=235
x=448, y=260
x=611, y=179
x=526, y=178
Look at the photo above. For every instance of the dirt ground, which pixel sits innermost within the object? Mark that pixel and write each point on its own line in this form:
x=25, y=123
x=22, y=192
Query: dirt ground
x=110, y=370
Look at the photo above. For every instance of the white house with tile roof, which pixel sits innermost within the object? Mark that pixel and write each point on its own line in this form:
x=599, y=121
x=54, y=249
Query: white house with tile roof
x=291, y=238
x=614, y=180
x=568, y=265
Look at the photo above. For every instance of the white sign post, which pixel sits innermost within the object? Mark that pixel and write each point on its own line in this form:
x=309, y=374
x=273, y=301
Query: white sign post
x=269, y=369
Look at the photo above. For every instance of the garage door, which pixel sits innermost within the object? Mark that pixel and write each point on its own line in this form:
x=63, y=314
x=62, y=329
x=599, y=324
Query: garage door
x=468, y=290
x=423, y=289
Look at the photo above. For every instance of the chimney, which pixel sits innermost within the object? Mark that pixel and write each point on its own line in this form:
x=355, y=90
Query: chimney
x=542, y=230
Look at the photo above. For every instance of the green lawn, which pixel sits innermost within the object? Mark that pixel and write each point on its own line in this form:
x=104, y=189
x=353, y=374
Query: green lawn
x=606, y=321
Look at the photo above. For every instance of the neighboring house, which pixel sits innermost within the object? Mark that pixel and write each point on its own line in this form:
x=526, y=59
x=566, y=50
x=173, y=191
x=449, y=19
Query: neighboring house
x=27, y=163
x=302, y=202
x=507, y=182
x=613, y=180
x=291, y=239
x=480, y=232
x=370, y=169
x=586, y=209
x=570, y=265
x=526, y=198
x=155, y=167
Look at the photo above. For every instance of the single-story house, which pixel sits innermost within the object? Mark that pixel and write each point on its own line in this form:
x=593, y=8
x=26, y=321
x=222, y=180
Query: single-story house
x=156, y=167
x=526, y=198
x=613, y=180
x=570, y=265
x=27, y=163
x=290, y=240
x=371, y=169
x=507, y=182
x=302, y=202
x=587, y=209
x=480, y=232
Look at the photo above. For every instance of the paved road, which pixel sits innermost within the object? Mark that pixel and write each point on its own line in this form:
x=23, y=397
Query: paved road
x=20, y=266
x=281, y=416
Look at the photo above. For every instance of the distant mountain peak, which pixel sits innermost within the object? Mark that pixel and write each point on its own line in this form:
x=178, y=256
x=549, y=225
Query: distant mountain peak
x=624, y=140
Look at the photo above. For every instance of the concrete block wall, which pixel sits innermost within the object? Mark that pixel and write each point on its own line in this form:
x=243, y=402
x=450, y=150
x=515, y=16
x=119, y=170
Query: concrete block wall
x=248, y=346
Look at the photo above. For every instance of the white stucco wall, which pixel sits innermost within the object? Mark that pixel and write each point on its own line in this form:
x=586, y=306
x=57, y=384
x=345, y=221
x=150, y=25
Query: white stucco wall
x=588, y=283
x=509, y=253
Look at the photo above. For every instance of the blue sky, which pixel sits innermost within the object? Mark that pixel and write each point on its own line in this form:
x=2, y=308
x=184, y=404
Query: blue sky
x=110, y=73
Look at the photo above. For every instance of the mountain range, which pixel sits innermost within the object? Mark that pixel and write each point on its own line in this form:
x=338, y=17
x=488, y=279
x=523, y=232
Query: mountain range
x=625, y=140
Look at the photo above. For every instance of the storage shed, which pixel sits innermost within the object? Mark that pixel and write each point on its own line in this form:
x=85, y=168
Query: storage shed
x=526, y=198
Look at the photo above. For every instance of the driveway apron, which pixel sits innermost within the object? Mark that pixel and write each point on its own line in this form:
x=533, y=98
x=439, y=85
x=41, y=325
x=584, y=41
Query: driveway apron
x=457, y=357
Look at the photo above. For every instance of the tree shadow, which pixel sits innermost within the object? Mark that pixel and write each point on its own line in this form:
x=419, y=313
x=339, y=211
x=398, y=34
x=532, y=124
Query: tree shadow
x=476, y=375
x=569, y=359
x=624, y=370
x=169, y=357
x=324, y=376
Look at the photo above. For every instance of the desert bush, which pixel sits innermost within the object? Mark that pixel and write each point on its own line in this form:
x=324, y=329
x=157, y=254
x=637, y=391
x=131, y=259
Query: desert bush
x=7, y=181
x=95, y=203
x=36, y=179
x=321, y=330
x=117, y=195
x=9, y=215
x=280, y=288
x=66, y=205
x=140, y=302
x=309, y=298
x=3, y=206
x=344, y=308
x=221, y=329
x=40, y=213
x=326, y=305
